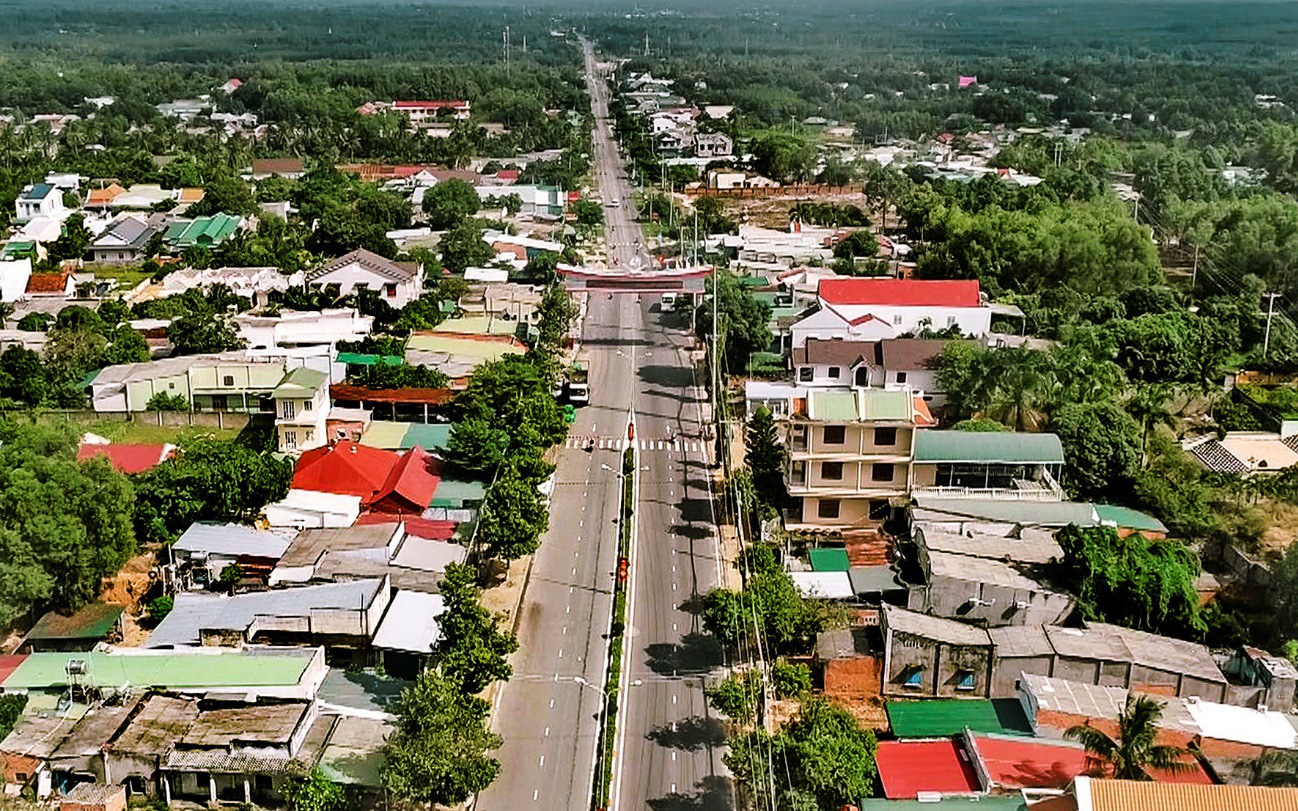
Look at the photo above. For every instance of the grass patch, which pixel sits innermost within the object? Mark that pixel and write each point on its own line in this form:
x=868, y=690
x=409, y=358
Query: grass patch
x=144, y=433
x=127, y=277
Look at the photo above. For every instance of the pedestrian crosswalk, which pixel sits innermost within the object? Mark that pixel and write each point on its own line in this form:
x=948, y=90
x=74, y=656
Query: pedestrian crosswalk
x=673, y=445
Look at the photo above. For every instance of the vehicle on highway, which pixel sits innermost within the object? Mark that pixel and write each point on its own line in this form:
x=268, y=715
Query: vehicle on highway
x=614, y=203
x=579, y=382
x=668, y=302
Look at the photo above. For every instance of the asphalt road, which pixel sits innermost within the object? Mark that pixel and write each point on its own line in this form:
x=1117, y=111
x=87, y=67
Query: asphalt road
x=670, y=746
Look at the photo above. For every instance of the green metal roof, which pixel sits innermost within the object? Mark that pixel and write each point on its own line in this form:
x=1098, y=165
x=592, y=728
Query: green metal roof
x=205, y=231
x=988, y=448
x=942, y=718
x=405, y=435
x=170, y=671
x=832, y=406
x=91, y=622
x=358, y=359
x=1127, y=518
x=300, y=382
x=429, y=437
x=456, y=493
x=832, y=559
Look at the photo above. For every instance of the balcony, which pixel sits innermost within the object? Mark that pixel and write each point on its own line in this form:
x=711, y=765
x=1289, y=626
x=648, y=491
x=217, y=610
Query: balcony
x=1044, y=489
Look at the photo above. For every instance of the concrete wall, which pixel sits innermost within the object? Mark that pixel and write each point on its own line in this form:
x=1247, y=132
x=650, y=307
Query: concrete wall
x=948, y=596
x=941, y=667
x=1007, y=670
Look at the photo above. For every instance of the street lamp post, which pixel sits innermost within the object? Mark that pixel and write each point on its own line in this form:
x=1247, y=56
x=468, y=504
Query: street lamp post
x=603, y=734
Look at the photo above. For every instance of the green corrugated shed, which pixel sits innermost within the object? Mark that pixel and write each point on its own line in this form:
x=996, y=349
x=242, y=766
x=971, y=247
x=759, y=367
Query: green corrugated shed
x=833, y=406
x=830, y=559
x=358, y=359
x=1127, y=518
x=178, y=671
x=93, y=621
x=429, y=437
x=942, y=718
x=988, y=448
x=456, y=494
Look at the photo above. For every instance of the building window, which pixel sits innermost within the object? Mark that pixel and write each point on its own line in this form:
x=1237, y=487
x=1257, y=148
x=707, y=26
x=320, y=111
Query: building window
x=831, y=471
x=306, y=406
x=950, y=320
x=885, y=437
x=805, y=374
x=390, y=290
x=827, y=508
x=228, y=380
x=290, y=439
x=914, y=677
x=880, y=509
x=798, y=472
x=965, y=680
x=882, y=472
x=901, y=377
x=834, y=372
x=834, y=434
x=896, y=320
x=287, y=409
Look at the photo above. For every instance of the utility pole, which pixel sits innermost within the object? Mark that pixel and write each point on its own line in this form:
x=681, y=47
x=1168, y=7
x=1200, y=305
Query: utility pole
x=1194, y=272
x=1270, y=311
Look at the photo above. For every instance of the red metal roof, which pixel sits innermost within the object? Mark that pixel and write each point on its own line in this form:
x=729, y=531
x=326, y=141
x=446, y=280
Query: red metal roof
x=385, y=481
x=425, y=528
x=127, y=458
x=9, y=663
x=507, y=174
x=1014, y=763
x=901, y=292
x=907, y=768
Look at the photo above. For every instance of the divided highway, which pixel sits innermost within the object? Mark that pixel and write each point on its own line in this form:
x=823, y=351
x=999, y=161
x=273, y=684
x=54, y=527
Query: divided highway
x=642, y=360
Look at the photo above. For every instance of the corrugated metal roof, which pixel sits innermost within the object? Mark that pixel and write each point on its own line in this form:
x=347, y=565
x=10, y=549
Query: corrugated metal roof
x=990, y=448
x=359, y=359
x=300, y=382
x=942, y=718
x=833, y=559
x=910, y=768
x=93, y=621
x=1038, y=513
x=823, y=585
x=234, y=540
x=1127, y=518
x=194, y=613
x=184, y=670
x=410, y=623
x=832, y=406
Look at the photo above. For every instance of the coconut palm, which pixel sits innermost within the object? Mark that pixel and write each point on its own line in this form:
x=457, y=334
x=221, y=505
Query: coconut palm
x=1134, y=751
x=1277, y=768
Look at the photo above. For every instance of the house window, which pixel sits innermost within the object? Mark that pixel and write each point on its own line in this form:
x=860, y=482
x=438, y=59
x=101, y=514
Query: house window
x=882, y=472
x=965, y=680
x=834, y=372
x=880, y=509
x=220, y=402
x=901, y=377
x=896, y=320
x=885, y=437
x=798, y=472
x=804, y=374
x=228, y=380
x=827, y=508
x=288, y=409
x=306, y=406
x=950, y=320
x=290, y=439
x=834, y=434
x=390, y=290
x=831, y=471
x=362, y=287
x=914, y=678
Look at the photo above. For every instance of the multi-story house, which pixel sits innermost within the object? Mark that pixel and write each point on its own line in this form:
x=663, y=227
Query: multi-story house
x=301, y=410
x=850, y=455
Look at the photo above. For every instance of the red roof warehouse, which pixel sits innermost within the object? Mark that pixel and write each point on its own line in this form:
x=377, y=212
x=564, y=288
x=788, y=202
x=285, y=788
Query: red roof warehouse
x=386, y=481
x=997, y=764
x=901, y=292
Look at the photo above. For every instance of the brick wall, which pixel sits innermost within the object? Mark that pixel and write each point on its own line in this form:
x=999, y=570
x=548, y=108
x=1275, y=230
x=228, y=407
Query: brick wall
x=1052, y=723
x=856, y=677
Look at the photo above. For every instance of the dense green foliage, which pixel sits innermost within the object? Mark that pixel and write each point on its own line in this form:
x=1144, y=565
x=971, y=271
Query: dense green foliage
x=829, y=757
x=788, y=621
x=64, y=525
x=439, y=752
x=207, y=480
x=313, y=792
x=471, y=650
x=765, y=456
x=1132, y=581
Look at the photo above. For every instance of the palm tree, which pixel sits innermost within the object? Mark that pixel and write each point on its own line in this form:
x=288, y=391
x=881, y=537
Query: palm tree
x=1149, y=406
x=1277, y=768
x=1135, y=751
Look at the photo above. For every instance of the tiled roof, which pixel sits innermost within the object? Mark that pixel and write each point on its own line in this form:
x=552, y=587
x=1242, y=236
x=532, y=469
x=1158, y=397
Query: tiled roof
x=48, y=283
x=277, y=166
x=1216, y=458
x=1017, y=763
x=1132, y=795
x=378, y=477
x=369, y=260
x=901, y=292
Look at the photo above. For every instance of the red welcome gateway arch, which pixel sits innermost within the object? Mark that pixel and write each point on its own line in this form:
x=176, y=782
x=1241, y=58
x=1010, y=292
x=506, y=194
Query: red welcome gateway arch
x=667, y=280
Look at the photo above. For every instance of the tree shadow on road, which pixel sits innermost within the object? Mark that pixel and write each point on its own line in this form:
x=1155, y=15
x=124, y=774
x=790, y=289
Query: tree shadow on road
x=693, y=604
x=713, y=794
x=668, y=377
x=690, y=734
x=691, y=532
x=696, y=653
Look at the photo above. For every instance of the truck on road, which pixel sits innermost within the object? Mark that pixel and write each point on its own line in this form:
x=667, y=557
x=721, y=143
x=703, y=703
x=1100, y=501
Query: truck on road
x=579, y=382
